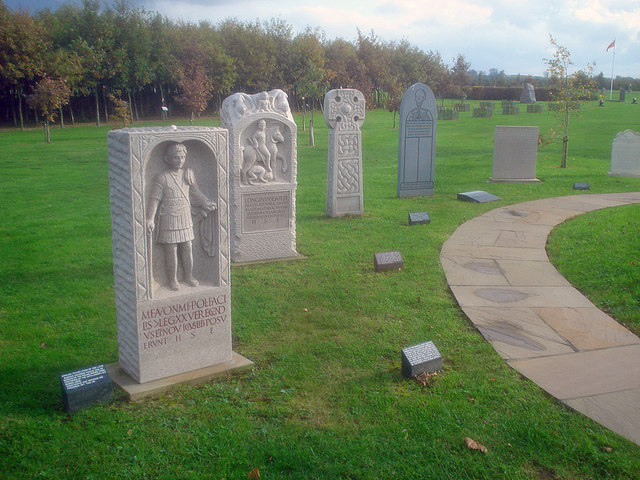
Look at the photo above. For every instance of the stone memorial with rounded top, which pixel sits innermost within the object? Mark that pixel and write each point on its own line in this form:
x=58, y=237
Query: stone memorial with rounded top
x=344, y=113
x=625, y=154
x=262, y=175
x=417, y=142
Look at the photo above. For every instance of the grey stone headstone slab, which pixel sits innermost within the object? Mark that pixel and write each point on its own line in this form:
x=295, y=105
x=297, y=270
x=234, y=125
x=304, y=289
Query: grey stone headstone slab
x=384, y=261
x=477, y=196
x=514, y=154
x=419, y=218
x=625, y=154
x=417, y=142
x=420, y=358
x=82, y=388
x=581, y=186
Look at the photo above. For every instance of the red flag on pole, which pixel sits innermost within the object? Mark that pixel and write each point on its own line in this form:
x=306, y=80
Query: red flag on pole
x=611, y=45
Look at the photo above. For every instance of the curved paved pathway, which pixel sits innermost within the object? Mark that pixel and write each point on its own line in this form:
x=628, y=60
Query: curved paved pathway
x=497, y=268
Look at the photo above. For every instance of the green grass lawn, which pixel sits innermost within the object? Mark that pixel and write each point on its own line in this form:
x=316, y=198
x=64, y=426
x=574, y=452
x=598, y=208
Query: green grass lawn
x=326, y=399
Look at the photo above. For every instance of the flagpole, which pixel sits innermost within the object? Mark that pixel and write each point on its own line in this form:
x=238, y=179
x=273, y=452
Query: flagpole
x=612, y=63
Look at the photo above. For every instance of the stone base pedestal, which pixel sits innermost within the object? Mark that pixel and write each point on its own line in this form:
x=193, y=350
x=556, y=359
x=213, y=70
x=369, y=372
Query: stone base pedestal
x=139, y=391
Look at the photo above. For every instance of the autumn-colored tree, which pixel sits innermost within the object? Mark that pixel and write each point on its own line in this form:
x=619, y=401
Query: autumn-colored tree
x=23, y=44
x=121, y=115
x=196, y=90
x=570, y=87
x=49, y=95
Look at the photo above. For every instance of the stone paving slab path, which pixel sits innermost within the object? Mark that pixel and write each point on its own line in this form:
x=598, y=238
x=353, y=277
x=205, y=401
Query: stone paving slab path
x=498, y=270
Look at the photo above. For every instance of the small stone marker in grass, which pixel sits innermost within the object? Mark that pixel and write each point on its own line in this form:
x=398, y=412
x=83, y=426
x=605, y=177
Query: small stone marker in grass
x=420, y=358
x=581, y=186
x=82, y=388
x=419, y=218
x=384, y=261
x=477, y=196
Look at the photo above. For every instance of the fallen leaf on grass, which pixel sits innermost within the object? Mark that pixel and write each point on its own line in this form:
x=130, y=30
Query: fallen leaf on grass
x=254, y=474
x=424, y=378
x=607, y=449
x=473, y=445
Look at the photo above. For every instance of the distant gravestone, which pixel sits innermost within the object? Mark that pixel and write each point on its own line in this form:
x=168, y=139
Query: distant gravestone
x=170, y=229
x=385, y=261
x=262, y=175
x=419, y=218
x=625, y=154
x=417, y=142
x=482, y=112
x=82, y=388
x=581, y=186
x=514, y=154
x=528, y=94
x=420, y=358
x=344, y=113
x=509, y=107
x=622, y=94
x=477, y=196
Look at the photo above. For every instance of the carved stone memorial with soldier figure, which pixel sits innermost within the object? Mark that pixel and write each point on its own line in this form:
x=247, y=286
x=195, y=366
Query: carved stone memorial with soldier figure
x=263, y=166
x=170, y=224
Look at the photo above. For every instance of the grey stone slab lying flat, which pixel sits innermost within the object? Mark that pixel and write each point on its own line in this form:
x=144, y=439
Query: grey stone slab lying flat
x=498, y=296
x=587, y=328
x=533, y=254
x=584, y=374
x=539, y=215
x=527, y=273
x=139, y=391
x=581, y=186
x=461, y=271
x=419, y=218
x=472, y=271
x=385, y=261
x=499, y=272
x=421, y=358
x=518, y=333
x=478, y=196
x=618, y=411
x=583, y=202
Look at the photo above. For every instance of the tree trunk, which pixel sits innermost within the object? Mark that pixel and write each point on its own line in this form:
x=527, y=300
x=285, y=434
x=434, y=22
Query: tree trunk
x=20, y=110
x=106, y=105
x=47, y=133
x=73, y=118
x=191, y=119
x=394, y=119
x=565, y=138
x=97, y=108
x=13, y=109
x=61, y=116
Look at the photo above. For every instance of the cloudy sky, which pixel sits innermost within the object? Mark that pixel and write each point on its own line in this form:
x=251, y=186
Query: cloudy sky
x=509, y=35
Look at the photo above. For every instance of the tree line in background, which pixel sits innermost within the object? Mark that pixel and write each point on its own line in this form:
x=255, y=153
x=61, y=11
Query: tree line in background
x=86, y=62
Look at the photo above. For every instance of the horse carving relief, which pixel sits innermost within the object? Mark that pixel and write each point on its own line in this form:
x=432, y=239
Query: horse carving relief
x=260, y=154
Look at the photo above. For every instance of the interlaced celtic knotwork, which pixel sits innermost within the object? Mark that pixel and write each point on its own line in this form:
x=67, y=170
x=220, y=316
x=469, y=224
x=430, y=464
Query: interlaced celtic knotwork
x=348, y=178
x=348, y=145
